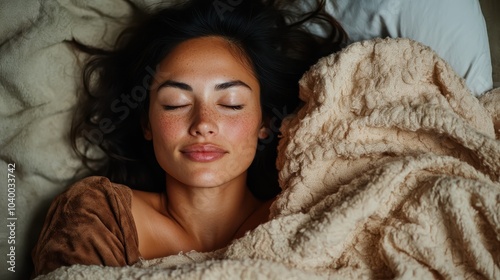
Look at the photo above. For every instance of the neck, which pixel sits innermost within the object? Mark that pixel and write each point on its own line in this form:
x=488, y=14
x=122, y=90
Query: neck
x=210, y=216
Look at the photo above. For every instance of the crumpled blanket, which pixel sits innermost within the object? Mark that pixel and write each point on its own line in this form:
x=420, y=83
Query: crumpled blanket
x=39, y=79
x=390, y=170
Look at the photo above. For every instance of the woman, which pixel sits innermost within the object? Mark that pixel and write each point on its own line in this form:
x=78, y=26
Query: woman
x=185, y=109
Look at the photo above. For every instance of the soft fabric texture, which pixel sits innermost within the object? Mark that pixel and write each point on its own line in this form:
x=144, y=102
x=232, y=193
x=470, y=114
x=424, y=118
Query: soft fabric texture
x=390, y=170
x=91, y=223
x=39, y=79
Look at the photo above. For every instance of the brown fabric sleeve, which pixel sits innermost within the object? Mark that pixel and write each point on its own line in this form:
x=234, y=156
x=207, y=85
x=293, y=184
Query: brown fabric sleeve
x=90, y=223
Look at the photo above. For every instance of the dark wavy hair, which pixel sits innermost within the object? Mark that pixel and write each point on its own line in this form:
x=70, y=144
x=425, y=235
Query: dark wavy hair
x=114, y=105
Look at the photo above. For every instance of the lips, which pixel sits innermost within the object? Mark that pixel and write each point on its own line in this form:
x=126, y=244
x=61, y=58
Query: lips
x=203, y=152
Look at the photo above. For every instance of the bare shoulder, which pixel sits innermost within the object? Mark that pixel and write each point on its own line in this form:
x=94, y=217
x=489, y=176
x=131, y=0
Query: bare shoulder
x=142, y=198
x=157, y=233
x=147, y=208
x=144, y=204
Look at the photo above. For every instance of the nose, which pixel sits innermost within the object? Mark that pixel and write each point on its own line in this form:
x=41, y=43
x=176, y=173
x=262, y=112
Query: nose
x=203, y=122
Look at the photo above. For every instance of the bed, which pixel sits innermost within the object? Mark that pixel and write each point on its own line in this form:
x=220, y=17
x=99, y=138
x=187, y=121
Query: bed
x=390, y=170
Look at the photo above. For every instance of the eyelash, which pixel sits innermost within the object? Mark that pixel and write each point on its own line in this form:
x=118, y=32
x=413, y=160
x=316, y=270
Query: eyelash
x=233, y=107
x=171, y=108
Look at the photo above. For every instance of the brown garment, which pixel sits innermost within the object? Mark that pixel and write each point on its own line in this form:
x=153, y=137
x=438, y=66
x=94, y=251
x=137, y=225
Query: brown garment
x=91, y=223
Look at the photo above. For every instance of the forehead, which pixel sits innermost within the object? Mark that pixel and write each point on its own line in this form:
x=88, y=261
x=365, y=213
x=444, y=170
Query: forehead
x=207, y=54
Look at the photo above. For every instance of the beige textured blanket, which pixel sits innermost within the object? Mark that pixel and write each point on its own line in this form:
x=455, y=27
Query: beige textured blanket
x=390, y=170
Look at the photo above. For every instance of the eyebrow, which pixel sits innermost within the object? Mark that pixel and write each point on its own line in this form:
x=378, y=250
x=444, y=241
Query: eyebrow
x=235, y=83
x=174, y=84
x=184, y=86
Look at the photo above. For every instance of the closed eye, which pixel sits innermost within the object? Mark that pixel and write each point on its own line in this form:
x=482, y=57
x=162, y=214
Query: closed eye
x=233, y=107
x=172, y=107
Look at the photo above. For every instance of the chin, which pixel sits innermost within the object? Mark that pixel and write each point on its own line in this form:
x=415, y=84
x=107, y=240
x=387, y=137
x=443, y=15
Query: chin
x=210, y=180
x=208, y=176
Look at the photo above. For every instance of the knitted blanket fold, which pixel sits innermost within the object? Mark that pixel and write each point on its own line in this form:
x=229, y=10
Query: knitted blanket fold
x=391, y=169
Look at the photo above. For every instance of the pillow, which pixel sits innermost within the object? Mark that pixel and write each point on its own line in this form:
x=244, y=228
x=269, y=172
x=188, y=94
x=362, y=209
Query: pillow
x=454, y=29
x=490, y=10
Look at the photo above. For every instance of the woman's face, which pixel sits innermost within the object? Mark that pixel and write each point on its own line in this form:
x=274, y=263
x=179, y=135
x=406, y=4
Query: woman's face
x=204, y=113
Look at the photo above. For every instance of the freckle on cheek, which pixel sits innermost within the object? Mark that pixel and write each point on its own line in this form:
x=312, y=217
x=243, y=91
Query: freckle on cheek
x=169, y=124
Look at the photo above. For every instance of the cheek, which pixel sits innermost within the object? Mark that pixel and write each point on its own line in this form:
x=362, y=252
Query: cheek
x=243, y=128
x=165, y=128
